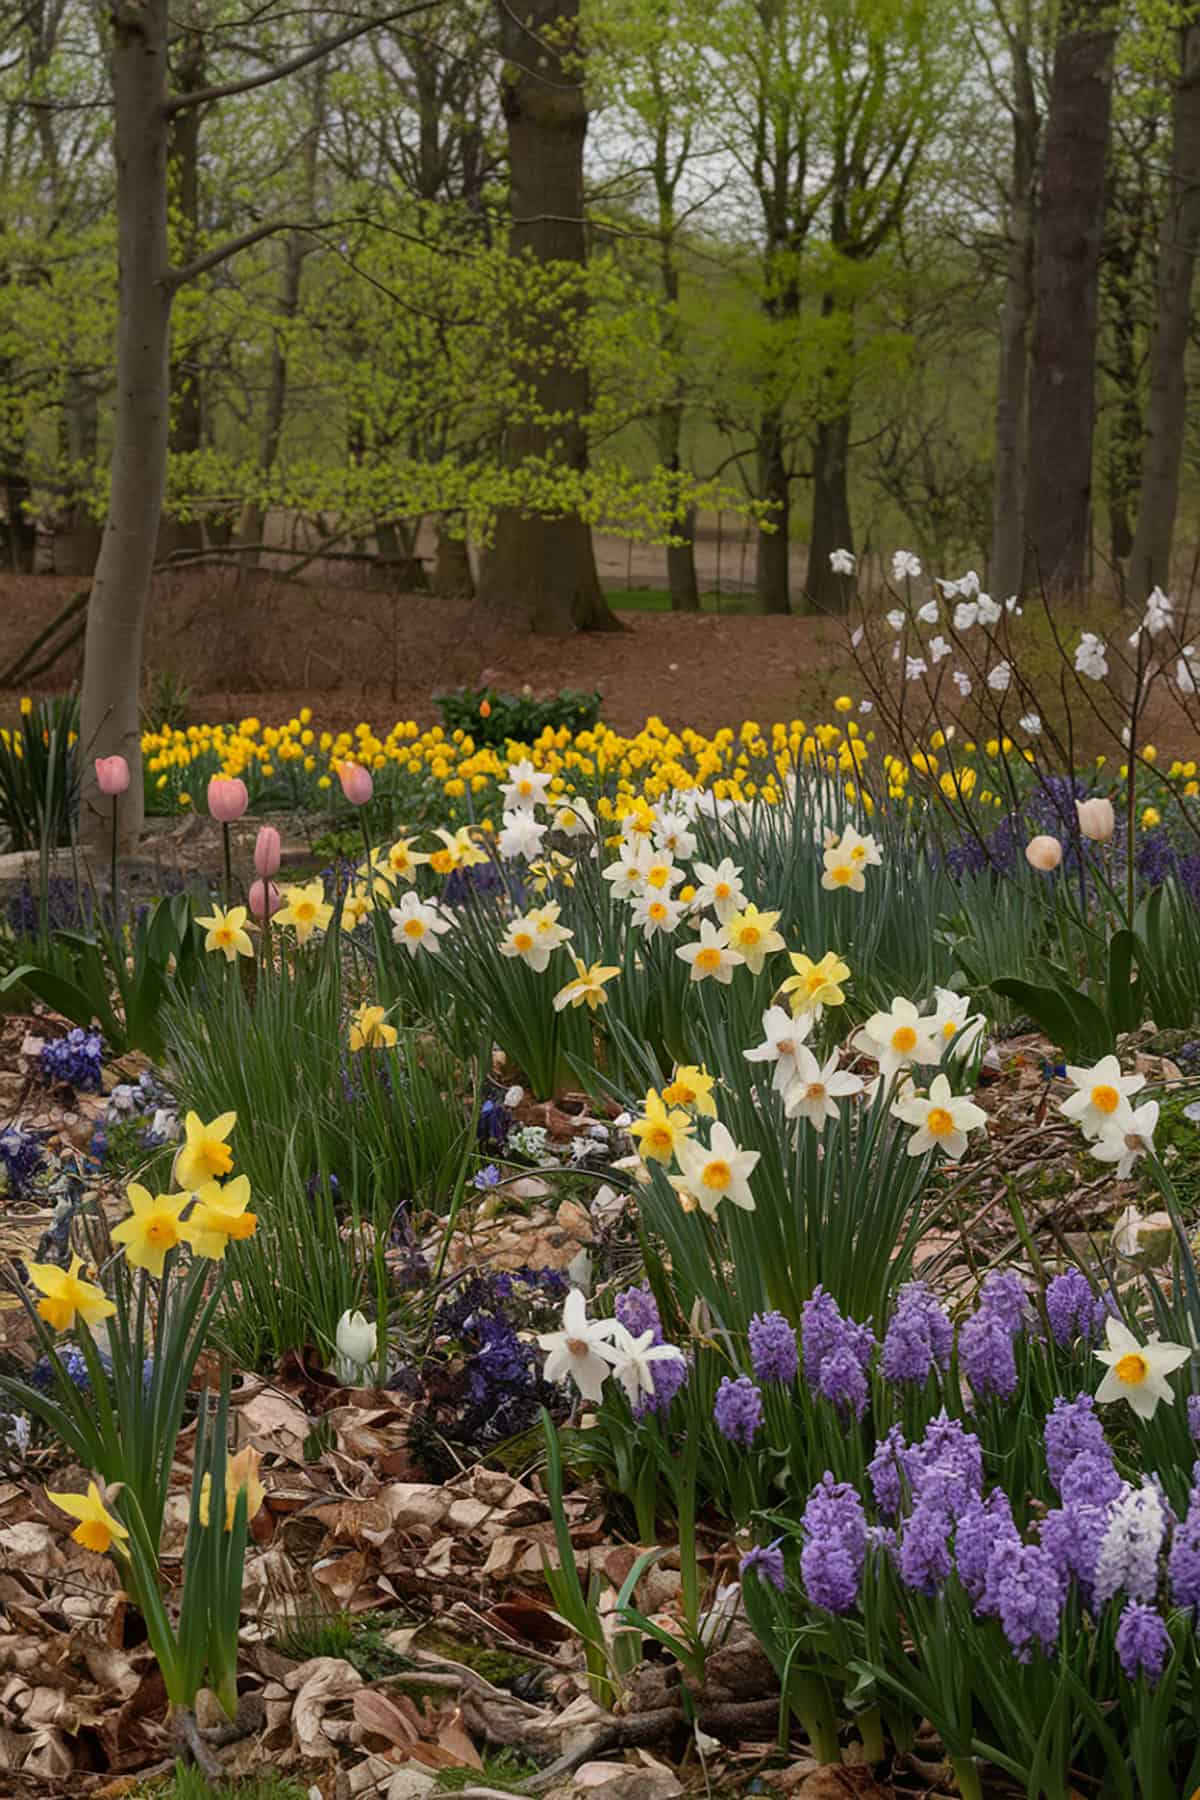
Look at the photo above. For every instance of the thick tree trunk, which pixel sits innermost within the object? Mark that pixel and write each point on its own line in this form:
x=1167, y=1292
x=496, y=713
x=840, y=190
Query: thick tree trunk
x=121, y=584
x=682, y=585
x=542, y=571
x=831, y=528
x=1166, y=412
x=183, y=188
x=772, y=560
x=1062, y=396
x=452, y=567
x=1008, y=492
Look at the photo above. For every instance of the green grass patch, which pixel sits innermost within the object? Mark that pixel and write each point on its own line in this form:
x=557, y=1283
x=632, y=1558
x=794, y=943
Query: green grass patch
x=503, y=1770
x=358, y=1640
x=188, y=1783
x=659, y=600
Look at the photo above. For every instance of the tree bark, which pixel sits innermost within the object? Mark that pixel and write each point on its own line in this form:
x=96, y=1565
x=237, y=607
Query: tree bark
x=831, y=527
x=1062, y=394
x=540, y=571
x=452, y=576
x=1166, y=412
x=1008, y=491
x=774, y=486
x=121, y=585
x=682, y=585
x=183, y=189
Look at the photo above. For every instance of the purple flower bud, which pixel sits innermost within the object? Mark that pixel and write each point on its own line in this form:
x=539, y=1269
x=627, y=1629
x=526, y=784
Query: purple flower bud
x=637, y=1310
x=1074, y=1309
x=889, y=1472
x=835, y=1546
x=1003, y=1294
x=1143, y=1642
x=918, y=1338
x=1193, y=1415
x=985, y=1354
x=1072, y=1429
x=766, y=1560
x=738, y=1410
x=925, y=1548
x=1026, y=1592
x=668, y=1376
x=981, y=1524
x=1183, y=1564
x=773, y=1352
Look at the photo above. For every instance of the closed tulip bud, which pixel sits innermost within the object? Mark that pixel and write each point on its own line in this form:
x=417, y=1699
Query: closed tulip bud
x=355, y=1341
x=112, y=775
x=266, y=852
x=1043, y=853
x=227, y=798
x=265, y=899
x=356, y=783
x=1097, y=820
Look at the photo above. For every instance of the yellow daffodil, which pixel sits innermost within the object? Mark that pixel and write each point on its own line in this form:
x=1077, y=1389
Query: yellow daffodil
x=152, y=1228
x=691, y=1087
x=816, y=984
x=306, y=909
x=588, y=986
x=66, y=1296
x=401, y=860
x=96, y=1528
x=660, y=1131
x=241, y=1471
x=753, y=934
x=219, y=1217
x=226, y=932
x=369, y=1029
x=357, y=906
x=205, y=1156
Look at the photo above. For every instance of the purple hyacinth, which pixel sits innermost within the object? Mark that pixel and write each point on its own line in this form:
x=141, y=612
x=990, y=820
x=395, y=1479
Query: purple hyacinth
x=919, y=1336
x=1003, y=1294
x=75, y=1059
x=981, y=1525
x=773, y=1352
x=1072, y=1429
x=986, y=1355
x=946, y=1467
x=835, y=1545
x=637, y=1310
x=766, y=1561
x=667, y=1376
x=1143, y=1642
x=1025, y=1591
x=889, y=1471
x=1193, y=1415
x=1183, y=1564
x=924, y=1560
x=738, y=1410
x=837, y=1352
x=1075, y=1310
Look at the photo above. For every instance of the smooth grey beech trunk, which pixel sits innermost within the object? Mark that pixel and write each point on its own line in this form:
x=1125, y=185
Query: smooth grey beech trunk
x=1008, y=490
x=1166, y=413
x=1062, y=375
x=109, y=722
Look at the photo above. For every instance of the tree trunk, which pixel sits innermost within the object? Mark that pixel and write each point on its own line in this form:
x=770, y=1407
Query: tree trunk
x=1062, y=394
x=1008, y=491
x=771, y=563
x=121, y=584
x=682, y=585
x=542, y=571
x=183, y=188
x=452, y=576
x=21, y=528
x=1166, y=412
x=831, y=528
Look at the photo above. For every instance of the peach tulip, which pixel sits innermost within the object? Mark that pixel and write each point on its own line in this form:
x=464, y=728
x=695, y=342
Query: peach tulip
x=1043, y=853
x=1097, y=820
x=356, y=783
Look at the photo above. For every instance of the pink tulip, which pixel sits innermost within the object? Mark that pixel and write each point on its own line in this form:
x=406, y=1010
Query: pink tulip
x=265, y=899
x=227, y=798
x=112, y=775
x=266, y=852
x=356, y=783
x=1043, y=853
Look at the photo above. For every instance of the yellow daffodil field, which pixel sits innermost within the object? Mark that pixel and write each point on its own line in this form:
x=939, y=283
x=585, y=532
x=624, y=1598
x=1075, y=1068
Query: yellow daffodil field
x=776, y=1150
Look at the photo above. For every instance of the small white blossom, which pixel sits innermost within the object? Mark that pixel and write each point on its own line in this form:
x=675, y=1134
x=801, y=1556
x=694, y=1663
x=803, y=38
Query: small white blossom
x=915, y=667
x=989, y=611
x=1090, y=657
x=842, y=562
x=1159, y=612
x=905, y=566
x=938, y=648
x=895, y=619
x=1030, y=722
x=966, y=615
x=999, y=678
x=962, y=682
x=928, y=614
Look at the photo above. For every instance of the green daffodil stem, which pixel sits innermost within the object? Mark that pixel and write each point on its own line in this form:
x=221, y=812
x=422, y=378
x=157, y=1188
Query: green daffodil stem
x=870, y=1730
x=116, y=907
x=814, y=1708
x=228, y=866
